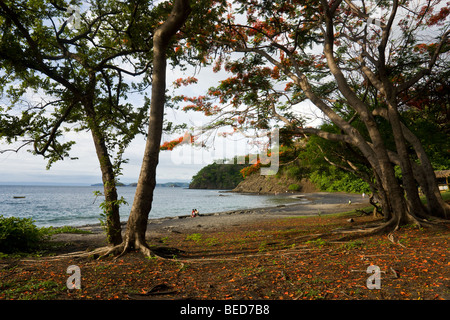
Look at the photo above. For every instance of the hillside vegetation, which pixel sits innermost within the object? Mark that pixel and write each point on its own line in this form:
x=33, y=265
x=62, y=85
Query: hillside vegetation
x=305, y=166
x=301, y=170
x=217, y=176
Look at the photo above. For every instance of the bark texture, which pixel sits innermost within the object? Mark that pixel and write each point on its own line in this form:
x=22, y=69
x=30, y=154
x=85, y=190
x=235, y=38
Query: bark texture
x=142, y=204
x=113, y=226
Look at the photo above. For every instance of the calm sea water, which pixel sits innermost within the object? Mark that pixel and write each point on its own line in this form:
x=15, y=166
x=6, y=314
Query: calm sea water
x=76, y=206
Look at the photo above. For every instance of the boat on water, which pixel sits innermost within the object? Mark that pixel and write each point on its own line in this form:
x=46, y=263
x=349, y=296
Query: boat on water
x=18, y=197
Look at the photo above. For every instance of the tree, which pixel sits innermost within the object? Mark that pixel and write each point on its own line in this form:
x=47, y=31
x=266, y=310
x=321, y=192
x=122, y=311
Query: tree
x=142, y=204
x=355, y=61
x=81, y=72
x=135, y=33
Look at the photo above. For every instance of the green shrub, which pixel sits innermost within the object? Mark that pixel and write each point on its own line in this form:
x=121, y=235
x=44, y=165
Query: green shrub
x=294, y=187
x=19, y=235
x=334, y=180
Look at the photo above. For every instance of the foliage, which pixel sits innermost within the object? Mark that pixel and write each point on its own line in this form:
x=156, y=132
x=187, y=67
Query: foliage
x=70, y=69
x=169, y=145
x=335, y=180
x=294, y=171
x=306, y=160
x=19, y=235
x=79, y=74
x=106, y=212
x=217, y=176
x=250, y=169
x=434, y=134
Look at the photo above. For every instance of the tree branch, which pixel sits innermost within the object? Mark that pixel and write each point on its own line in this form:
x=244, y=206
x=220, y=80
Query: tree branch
x=26, y=142
x=325, y=135
x=360, y=14
x=408, y=84
x=55, y=128
x=387, y=30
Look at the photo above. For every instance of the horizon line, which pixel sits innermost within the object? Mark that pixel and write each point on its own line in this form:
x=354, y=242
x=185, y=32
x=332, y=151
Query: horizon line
x=75, y=184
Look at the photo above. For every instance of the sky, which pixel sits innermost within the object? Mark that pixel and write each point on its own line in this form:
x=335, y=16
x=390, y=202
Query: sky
x=180, y=164
x=24, y=168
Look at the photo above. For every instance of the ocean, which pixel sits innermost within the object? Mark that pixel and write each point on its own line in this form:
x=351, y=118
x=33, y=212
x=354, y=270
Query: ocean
x=76, y=206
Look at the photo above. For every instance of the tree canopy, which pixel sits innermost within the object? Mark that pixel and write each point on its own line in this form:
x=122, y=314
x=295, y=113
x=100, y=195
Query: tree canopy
x=361, y=63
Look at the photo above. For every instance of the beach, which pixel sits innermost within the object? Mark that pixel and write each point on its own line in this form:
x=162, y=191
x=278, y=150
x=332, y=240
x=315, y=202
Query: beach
x=318, y=203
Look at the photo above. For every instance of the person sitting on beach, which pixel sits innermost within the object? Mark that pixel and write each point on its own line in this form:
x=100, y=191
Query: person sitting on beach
x=193, y=213
x=196, y=213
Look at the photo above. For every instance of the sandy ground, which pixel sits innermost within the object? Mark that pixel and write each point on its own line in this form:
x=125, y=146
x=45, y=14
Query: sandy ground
x=304, y=204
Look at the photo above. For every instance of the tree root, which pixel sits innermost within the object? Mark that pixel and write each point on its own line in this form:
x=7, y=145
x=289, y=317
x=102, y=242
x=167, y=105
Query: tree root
x=103, y=252
x=80, y=254
x=362, y=213
x=393, y=225
x=428, y=221
x=378, y=228
x=127, y=246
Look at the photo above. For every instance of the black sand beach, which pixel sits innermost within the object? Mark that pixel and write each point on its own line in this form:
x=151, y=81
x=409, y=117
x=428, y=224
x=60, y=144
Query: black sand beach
x=304, y=204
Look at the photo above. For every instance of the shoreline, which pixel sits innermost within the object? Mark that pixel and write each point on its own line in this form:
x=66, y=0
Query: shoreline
x=308, y=204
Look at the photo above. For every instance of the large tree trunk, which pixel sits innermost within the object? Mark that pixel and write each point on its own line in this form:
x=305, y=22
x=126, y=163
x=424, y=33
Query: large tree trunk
x=113, y=227
x=423, y=172
x=397, y=209
x=415, y=206
x=142, y=204
x=427, y=180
